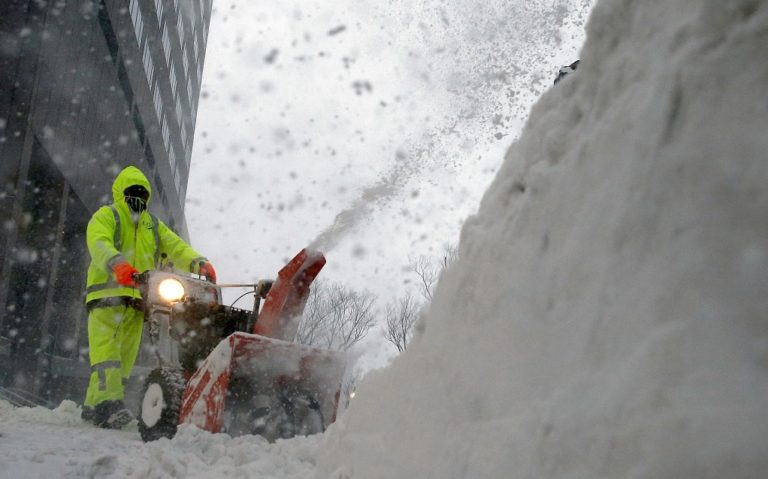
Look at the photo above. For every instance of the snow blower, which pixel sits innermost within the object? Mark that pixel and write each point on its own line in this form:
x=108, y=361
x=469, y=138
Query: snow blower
x=237, y=371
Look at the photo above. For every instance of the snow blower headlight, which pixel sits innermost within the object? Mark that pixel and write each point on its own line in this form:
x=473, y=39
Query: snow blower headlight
x=171, y=290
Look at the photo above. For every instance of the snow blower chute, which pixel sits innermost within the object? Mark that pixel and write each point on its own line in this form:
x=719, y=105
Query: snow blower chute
x=238, y=371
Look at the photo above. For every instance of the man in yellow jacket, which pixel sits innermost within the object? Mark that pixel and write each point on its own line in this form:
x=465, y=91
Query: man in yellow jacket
x=124, y=239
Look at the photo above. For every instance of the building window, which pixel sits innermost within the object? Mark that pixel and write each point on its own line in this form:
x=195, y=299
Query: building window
x=193, y=111
x=184, y=60
x=189, y=90
x=166, y=44
x=192, y=19
x=138, y=21
x=184, y=137
x=159, y=11
x=166, y=135
x=149, y=66
x=179, y=112
x=206, y=7
x=180, y=29
x=158, y=102
x=158, y=185
x=172, y=159
x=196, y=47
x=173, y=79
x=177, y=181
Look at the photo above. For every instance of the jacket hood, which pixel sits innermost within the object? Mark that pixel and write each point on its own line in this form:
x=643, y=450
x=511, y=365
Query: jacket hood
x=128, y=177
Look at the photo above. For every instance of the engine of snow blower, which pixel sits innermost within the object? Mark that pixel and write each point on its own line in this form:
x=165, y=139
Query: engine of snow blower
x=189, y=311
x=234, y=370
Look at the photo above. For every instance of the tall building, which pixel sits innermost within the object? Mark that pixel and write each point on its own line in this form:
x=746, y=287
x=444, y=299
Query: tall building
x=87, y=87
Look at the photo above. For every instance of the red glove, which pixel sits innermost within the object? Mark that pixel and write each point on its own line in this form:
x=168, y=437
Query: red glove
x=206, y=269
x=124, y=273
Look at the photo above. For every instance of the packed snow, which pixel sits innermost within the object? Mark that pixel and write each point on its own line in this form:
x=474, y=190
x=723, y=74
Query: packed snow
x=40, y=443
x=606, y=317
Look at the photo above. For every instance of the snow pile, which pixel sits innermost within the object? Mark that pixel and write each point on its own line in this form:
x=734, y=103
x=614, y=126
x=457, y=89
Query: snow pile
x=196, y=453
x=38, y=442
x=66, y=414
x=607, y=315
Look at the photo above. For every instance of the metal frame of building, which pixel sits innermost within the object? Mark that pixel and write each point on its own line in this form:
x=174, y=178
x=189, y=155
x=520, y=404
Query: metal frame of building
x=86, y=88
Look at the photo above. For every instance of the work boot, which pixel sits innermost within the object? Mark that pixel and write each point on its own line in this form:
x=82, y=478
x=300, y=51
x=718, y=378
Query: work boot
x=112, y=414
x=87, y=413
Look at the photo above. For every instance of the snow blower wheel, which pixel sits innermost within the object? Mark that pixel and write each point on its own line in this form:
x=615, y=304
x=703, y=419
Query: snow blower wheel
x=161, y=404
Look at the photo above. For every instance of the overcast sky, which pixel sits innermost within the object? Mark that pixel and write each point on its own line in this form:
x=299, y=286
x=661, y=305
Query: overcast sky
x=368, y=128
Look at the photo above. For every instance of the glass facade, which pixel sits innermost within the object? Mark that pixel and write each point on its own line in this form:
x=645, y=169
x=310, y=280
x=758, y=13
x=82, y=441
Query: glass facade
x=84, y=92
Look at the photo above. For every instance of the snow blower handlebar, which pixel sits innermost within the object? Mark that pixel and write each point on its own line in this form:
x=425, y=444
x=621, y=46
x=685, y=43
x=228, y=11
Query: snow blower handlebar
x=260, y=288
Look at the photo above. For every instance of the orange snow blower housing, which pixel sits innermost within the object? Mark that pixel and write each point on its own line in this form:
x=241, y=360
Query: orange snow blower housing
x=240, y=371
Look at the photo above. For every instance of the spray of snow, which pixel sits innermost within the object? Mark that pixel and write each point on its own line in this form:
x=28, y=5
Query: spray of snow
x=292, y=150
x=476, y=81
x=371, y=197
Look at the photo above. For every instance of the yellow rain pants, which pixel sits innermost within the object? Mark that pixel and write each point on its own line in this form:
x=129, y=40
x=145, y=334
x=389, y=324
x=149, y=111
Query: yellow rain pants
x=114, y=336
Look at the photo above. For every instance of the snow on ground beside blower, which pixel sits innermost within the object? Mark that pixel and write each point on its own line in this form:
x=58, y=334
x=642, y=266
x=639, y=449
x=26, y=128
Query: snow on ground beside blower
x=607, y=315
x=40, y=443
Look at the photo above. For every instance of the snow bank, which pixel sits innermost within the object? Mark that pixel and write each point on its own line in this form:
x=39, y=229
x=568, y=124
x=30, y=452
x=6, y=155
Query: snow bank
x=607, y=317
x=38, y=442
x=42, y=443
x=196, y=453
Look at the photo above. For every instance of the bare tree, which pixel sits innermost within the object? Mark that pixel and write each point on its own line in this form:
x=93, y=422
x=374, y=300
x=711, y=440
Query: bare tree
x=401, y=317
x=428, y=269
x=335, y=317
x=314, y=322
x=427, y=274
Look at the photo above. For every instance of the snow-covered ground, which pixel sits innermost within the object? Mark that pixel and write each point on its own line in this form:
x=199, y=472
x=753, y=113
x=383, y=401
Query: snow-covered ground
x=607, y=315
x=40, y=443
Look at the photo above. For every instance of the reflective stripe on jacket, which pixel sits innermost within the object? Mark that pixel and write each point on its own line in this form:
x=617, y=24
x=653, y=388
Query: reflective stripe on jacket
x=112, y=237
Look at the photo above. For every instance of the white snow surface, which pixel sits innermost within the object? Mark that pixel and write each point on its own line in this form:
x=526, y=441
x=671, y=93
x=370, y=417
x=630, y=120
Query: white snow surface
x=40, y=443
x=607, y=315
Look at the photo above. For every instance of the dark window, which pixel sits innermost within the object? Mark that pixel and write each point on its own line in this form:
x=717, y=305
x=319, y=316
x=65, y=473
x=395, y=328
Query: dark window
x=149, y=156
x=31, y=265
